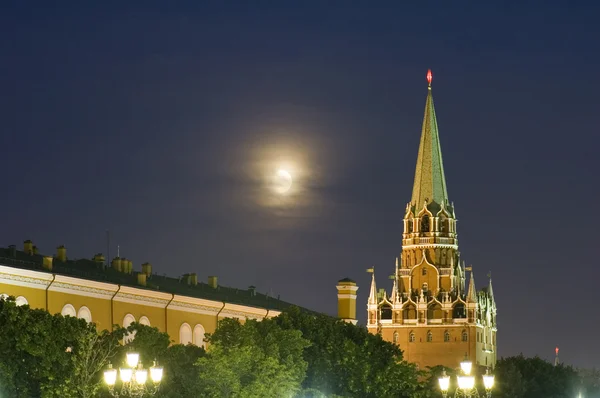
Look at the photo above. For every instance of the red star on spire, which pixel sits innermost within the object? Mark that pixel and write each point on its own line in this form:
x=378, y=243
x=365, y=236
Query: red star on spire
x=429, y=76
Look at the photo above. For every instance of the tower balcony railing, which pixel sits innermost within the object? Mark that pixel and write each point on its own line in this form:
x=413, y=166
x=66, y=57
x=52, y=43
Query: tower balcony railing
x=430, y=240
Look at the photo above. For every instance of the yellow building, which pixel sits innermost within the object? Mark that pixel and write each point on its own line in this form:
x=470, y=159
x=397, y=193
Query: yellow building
x=110, y=295
x=429, y=313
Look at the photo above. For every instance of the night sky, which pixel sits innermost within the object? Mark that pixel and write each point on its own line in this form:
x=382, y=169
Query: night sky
x=164, y=125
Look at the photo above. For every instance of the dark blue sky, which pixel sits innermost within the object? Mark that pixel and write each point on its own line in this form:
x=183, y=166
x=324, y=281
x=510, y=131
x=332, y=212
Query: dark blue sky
x=161, y=123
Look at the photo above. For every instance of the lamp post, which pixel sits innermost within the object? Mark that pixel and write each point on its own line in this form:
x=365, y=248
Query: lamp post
x=466, y=382
x=133, y=378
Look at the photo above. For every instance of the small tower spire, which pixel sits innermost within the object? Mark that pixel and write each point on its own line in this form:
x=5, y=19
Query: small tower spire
x=556, y=361
x=471, y=293
x=394, y=296
x=373, y=293
x=491, y=291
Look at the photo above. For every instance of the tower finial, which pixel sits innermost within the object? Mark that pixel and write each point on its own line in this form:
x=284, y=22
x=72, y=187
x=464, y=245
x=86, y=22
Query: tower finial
x=429, y=77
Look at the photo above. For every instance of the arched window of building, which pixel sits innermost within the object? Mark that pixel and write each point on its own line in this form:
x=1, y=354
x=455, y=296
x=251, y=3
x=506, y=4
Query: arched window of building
x=464, y=336
x=144, y=321
x=85, y=313
x=446, y=336
x=425, y=223
x=21, y=301
x=68, y=310
x=127, y=321
x=411, y=337
x=199, y=336
x=429, y=336
x=395, y=340
x=185, y=334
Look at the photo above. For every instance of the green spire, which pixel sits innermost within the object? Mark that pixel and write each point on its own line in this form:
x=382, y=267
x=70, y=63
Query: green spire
x=430, y=182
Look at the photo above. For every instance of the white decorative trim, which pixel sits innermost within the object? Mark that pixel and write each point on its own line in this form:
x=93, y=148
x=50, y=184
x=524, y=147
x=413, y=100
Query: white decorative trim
x=346, y=296
x=79, y=290
x=347, y=287
x=140, y=300
x=185, y=307
x=24, y=278
x=430, y=246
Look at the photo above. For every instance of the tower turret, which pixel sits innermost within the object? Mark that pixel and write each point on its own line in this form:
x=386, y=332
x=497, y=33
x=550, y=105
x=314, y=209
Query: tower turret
x=347, y=300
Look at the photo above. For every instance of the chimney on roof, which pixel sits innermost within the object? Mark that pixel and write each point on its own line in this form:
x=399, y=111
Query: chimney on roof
x=47, y=263
x=28, y=247
x=127, y=266
x=116, y=264
x=141, y=278
x=212, y=282
x=192, y=279
x=12, y=249
x=252, y=290
x=147, y=269
x=35, y=250
x=61, y=253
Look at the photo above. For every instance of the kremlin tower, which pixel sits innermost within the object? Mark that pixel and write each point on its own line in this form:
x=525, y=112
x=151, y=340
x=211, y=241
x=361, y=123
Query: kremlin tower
x=432, y=312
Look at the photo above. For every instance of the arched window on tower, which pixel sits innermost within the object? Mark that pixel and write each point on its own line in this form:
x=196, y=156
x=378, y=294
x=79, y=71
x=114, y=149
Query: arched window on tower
x=464, y=336
x=429, y=336
x=443, y=224
x=411, y=337
x=446, y=336
x=425, y=224
x=395, y=338
x=459, y=311
x=386, y=311
x=409, y=312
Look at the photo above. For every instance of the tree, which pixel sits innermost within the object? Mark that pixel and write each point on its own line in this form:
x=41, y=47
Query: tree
x=346, y=360
x=92, y=353
x=254, y=359
x=178, y=361
x=47, y=355
x=521, y=377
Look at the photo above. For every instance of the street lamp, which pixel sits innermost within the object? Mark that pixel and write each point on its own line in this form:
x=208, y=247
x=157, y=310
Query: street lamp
x=466, y=382
x=133, y=377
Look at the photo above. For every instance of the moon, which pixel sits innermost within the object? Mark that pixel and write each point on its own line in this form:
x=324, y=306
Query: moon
x=283, y=181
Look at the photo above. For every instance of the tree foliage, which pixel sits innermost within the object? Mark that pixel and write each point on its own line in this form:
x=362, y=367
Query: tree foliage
x=47, y=355
x=346, y=360
x=521, y=377
x=254, y=359
x=180, y=376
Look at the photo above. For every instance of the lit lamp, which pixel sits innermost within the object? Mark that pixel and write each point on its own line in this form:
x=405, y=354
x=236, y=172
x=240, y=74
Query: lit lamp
x=466, y=382
x=488, y=382
x=133, y=378
x=444, y=381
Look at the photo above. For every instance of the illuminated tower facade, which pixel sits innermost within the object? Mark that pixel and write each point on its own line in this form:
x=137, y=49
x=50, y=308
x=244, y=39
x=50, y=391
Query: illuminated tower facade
x=431, y=313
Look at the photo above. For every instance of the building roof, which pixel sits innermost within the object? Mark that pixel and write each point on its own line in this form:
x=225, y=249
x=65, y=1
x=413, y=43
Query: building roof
x=95, y=271
x=430, y=182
